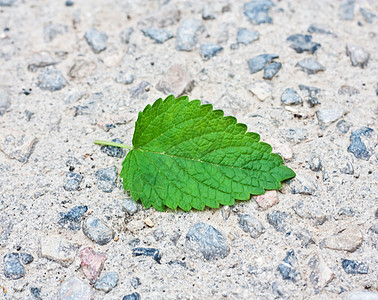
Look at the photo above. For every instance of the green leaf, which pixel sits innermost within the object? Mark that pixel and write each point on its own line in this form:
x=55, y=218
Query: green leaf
x=188, y=155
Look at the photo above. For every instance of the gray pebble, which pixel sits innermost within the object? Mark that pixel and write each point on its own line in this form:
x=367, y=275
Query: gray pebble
x=50, y=31
x=7, y=2
x=348, y=90
x=129, y=206
x=36, y=293
x=271, y=69
x=346, y=10
x=304, y=210
x=135, y=282
x=310, y=66
x=107, y=282
x=317, y=28
x=208, y=12
x=187, y=34
x=124, y=78
x=158, y=234
x=343, y=126
x=312, y=94
x=72, y=218
x=5, y=101
x=357, y=147
x=125, y=35
x=12, y=266
x=277, y=219
x=327, y=116
x=246, y=36
x=358, y=56
x=368, y=16
x=296, y=135
x=304, y=235
x=259, y=62
x=158, y=35
x=140, y=90
x=51, y=79
x=348, y=169
x=73, y=181
x=106, y=178
x=175, y=236
x=133, y=296
x=96, y=40
x=114, y=151
x=286, y=268
x=315, y=164
x=354, y=267
x=97, y=231
x=205, y=239
x=257, y=11
x=209, y=50
x=226, y=212
x=290, y=97
x=303, y=42
x=303, y=184
x=251, y=225
x=26, y=258
x=155, y=253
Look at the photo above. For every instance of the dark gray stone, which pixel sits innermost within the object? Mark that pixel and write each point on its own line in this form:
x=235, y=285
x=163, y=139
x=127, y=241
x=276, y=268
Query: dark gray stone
x=51, y=79
x=291, y=97
x=69, y=3
x=50, y=31
x=135, y=282
x=343, y=126
x=246, y=36
x=348, y=169
x=304, y=235
x=209, y=50
x=368, y=16
x=153, y=252
x=315, y=164
x=206, y=240
x=259, y=62
x=73, y=181
x=310, y=66
x=296, y=135
x=286, y=268
x=317, y=28
x=114, y=151
x=158, y=35
x=107, y=282
x=97, y=231
x=354, y=267
x=133, y=296
x=349, y=212
x=124, y=78
x=346, y=10
x=26, y=258
x=358, y=55
x=312, y=94
x=5, y=101
x=125, y=35
x=257, y=11
x=251, y=225
x=187, y=34
x=106, y=179
x=357, y=147
x=208, y=12
x=278, y=219
x=303, y=42
x=36, y=293
x=12, y=266
x=72, y=218
x=96, y=40
x=129, y=206
x=271, y=69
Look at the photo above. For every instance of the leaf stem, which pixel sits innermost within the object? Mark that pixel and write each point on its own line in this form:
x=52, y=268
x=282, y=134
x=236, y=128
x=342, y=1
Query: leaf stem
x=114, y=144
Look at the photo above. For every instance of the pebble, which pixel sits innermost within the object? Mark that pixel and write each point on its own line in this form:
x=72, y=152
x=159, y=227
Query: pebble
x=209, y=50
x=259, y=62
x=303, y=184
x=346, y=10
x=155, y=253
x=26, y=258
x=106, y=178
x=358, y=56
x=320, y=29
x=205, y=239
x=69, y=3
x=327, y=116
x=296, y=135
x=312, y=94
x=303, y=42
x=114, y=151
x=343, y=126
x=36, y=293
x=51, y=30
x=361, y=295
x=348, y=90
x=367, y=15
x=354, y=267
x=305, y=210
x=158, y=234
x=158, y=35
x=74, y=288
x=251, y=225
x=246, y=36
x=257, y=11
x=135, y=282
x=315, y=164
x=287, y=269
x=271, y=69
x=92, y=263
x=96, y=40
x=208, y=12
x=278, y=219
x=149, y=222
x=310, y=66
x=5, y=101
x=347, y=239
x=187, y=34
x=140, y=90
x=72, y=218
x=107, y=282
x=129, y=206
x=73, y=181
x=357, y=147
x=268, y=200
x=13, y=268
x=57, y=249
x=291, y=97
x=97, y=231
x=262, y=89
x=304, y=235
x=320, y=274
x=7, y=2
x=6, y=227
x=125, y=35
x=176, y=81
x=133, y=296
x=124, y=78
x=348, y=169
x=51, y=79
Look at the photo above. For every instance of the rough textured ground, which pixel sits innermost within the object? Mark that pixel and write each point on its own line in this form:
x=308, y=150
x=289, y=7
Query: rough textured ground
x=59, y=92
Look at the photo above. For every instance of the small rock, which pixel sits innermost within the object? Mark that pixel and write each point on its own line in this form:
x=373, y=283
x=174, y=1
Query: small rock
x=310, y=66
x=305, y=210
x=5, y=101
x=209, y=50
x=69, y=3
x=7, y=2
x=296, y=135
x=354, y=267
x=158, y=234
x=208, y=12
x=72, y=219
x=343, y=126
x=271, y=69
x=148, y=252
x=176, y=81
x=26, y=258
x=51, y=79
x=135, y=282
x=357, y=147
x=358, y=56
x=346, y=10
x=246, y=36
x=361, y=295
x=140, y=90
x=268, y=200
x=304, y=235
x=158, y=35
x=317, y=28
x=57, y=249
x=20, y=285
x=148, y=222
x=107, y=282
x=114, y=151
x=367, y=15
x=291, y=97
x=129, y=206
x=257, y=11
x=278, y=219
x=125, y=35
x=50, y=31
x=133, y=296
x=73, y=181
x=91, y=263
x=226, y=212
x=208, y=241
x=124, y=78
x=287, y=269
x=259, y=62
x=346, y=239
x=106, y=178
x=315, y=164
x=12, y=266
x=349, y=170
x=175, y=236
x=327, y=116
x=97, y=231
x=320, y=274
x=262, y=89
x=312, y=94
x=302, y=42
x=36, y=293
x=303, y=184
x=74, y=288
x=96, y=40
x=348, y=90
x=251, y=225
x=187, y=34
